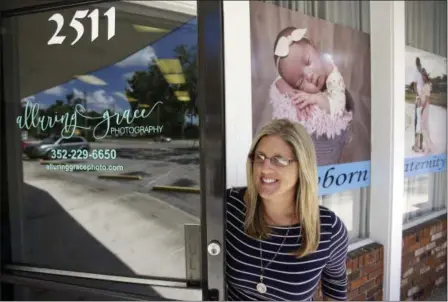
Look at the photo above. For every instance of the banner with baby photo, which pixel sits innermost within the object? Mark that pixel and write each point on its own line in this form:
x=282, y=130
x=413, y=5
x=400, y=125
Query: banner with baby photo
x=426, y=105
x=316, y=73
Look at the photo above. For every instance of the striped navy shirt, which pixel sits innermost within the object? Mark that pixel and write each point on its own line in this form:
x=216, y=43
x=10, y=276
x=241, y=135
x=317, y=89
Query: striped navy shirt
x=286, y=277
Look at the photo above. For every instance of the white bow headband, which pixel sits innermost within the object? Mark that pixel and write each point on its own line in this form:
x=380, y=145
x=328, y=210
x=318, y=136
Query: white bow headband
x=282, y=47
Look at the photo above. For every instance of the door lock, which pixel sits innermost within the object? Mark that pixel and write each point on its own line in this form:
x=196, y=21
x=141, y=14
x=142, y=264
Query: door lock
x=214, y=248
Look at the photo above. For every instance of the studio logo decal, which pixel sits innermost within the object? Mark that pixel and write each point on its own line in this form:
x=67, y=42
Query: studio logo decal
x=122, y=123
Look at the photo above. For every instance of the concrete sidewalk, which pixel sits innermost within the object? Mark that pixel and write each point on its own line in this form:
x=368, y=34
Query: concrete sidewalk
x=73, y=223
x=439, y=294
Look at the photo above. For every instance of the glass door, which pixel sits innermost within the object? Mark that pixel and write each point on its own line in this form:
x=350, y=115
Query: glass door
x=113, y=165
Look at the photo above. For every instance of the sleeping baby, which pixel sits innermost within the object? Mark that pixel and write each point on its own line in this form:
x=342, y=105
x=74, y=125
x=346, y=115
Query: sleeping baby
x=309, y=88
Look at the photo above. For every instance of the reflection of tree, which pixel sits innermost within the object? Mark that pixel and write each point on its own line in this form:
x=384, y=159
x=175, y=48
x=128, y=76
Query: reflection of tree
x=149, y=87
x=73, y=100
x=439, y=84
x=57, y=109
x=188, y=60
x=60, y=109
x=146, y=88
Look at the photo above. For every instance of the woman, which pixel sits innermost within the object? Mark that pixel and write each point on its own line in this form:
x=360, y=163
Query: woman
x=280, y=243
x=417, y=84
x=428, y=145
x=417, y=87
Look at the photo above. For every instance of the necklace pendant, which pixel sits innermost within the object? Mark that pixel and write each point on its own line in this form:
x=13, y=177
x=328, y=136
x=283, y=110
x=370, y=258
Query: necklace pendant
x=261, y=288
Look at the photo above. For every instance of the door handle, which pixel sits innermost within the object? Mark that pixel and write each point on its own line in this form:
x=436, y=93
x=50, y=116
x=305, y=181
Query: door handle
x=193, y=254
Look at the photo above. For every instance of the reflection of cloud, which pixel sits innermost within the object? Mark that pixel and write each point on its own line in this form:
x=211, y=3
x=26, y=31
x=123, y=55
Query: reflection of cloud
x=139, y=59
x=119, y=109
x=91, y=79
x=128, y=75
x=44, y=106
x=30, y=98
x=58, y=91
x=99, y=99
x=122, y=95
x=77, y=94
x=435, y=65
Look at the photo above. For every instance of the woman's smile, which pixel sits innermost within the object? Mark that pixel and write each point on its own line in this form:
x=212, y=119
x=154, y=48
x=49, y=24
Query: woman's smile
x=268, y=185
x=268, y=181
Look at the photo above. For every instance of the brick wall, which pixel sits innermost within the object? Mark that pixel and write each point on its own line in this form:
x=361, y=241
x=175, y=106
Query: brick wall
x=365, y=274
x=424, y=259
x=424, y=265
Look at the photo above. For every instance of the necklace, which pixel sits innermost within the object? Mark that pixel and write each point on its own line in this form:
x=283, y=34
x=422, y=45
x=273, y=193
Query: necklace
x=261, y=287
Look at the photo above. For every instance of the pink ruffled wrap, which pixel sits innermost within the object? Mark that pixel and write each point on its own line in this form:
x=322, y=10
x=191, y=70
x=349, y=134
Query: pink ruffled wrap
x=320, y=124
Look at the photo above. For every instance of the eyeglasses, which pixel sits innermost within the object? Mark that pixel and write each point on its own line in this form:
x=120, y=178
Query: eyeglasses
x=275, y=160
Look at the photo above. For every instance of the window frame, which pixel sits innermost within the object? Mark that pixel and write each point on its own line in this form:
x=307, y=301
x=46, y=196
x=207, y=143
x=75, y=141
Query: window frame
x=424, y=216
x=387, y=36
x=415, y=25
x=360, y=199
x=420, y=220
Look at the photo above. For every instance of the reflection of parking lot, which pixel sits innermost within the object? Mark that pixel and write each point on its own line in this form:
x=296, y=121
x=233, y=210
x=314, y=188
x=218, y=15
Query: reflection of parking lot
x=161, y=164
x=183, y=156
x=140, y=231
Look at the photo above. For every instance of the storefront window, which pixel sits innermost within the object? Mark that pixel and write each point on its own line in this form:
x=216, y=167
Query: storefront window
x=103, y=134
x=350, y=203
x=351, y=207
x=426, y=109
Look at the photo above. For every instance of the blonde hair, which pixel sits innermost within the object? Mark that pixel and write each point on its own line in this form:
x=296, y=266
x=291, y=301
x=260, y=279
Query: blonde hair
x=306, y=197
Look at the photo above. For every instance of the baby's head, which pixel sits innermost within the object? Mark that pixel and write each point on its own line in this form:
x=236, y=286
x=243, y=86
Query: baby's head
x=298, y=61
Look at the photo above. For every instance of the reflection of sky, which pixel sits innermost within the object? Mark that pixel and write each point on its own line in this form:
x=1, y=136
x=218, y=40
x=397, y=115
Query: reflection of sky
x=112, y=94
x=435, y=65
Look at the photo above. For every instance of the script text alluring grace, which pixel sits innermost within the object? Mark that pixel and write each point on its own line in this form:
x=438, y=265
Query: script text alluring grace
x=70, y=121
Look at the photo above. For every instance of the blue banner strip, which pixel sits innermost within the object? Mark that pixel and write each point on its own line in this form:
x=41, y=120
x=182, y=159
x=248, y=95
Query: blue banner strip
x=424, y=164
x=350, y=176
x=343, y=177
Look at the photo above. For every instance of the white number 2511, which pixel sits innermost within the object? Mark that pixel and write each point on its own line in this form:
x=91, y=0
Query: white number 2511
x=76, y=25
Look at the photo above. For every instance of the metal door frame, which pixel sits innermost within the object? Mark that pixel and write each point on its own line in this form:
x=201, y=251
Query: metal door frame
x=212, y=154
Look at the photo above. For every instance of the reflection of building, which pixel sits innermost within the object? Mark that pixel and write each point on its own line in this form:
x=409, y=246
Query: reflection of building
x=191, y=118
x=108, y=83
x=139, y=23
x=191, y=124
